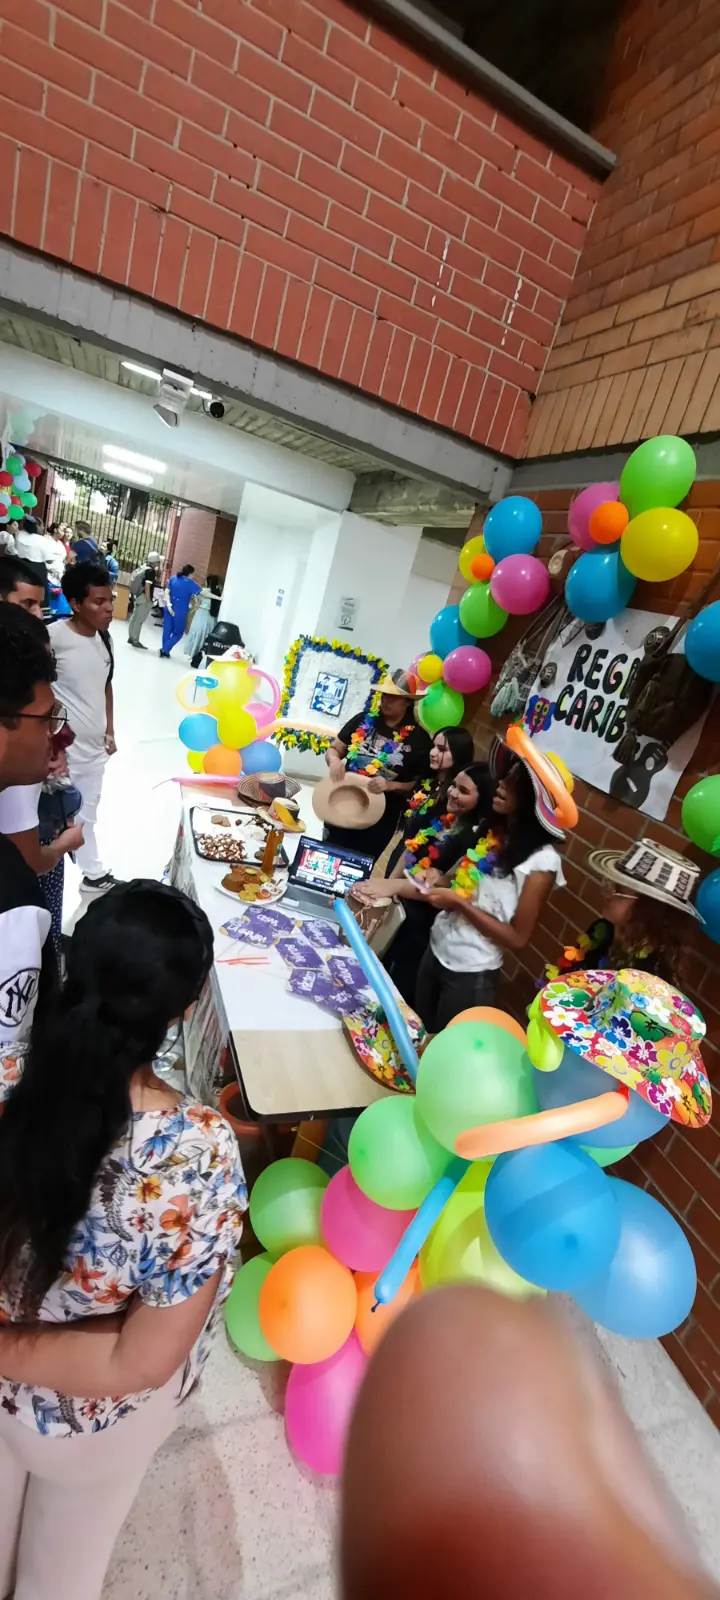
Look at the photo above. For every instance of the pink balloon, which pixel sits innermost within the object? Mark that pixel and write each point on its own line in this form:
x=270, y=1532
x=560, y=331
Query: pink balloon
x=263, y=713
x=358, y=1232
x=520, y=584
x=467, y=669
x=319, y=1402
x=415, y=663
x=582, y=509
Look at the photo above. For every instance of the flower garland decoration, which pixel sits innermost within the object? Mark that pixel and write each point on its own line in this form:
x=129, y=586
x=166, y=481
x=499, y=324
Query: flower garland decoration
x=434, y=837
x=297, y=738
x=381, y=758
x=422, y=800
x=591, y=949
x=479, y=863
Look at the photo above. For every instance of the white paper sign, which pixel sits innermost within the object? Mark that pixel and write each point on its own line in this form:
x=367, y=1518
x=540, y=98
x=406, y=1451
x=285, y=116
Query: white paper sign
x=581, y=714
x=347, y=613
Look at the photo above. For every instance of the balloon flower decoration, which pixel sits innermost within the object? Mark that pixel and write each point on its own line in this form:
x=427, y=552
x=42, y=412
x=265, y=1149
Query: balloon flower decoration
x=17, y=497
x=505, y=579
x=229, y=732
x=633, y=529
x=490, y=1173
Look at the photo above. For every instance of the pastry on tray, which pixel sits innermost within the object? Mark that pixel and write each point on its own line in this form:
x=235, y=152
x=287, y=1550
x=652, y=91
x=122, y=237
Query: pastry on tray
x=250, y=883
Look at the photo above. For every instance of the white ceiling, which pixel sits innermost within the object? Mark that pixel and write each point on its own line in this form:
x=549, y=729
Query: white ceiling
x=71, y=415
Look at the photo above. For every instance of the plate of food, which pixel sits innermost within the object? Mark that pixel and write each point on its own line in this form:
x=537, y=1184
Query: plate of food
x=248, y=883
x=230, y=836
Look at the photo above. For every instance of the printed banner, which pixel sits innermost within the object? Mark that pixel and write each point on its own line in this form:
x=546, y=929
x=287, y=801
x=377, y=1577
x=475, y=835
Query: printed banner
x=581, y=714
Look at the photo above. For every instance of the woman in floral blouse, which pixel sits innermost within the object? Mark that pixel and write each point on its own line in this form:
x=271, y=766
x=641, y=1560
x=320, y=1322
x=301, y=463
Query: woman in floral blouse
x=121, y=1207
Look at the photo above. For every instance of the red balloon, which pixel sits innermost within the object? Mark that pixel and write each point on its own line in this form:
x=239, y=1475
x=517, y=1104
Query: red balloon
x=33, y=469
x=6, y=479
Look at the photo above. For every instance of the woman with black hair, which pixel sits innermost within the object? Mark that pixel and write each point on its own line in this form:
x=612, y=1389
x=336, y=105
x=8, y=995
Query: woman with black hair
x=492, y=901
x=121, y=1208
x=451, y=752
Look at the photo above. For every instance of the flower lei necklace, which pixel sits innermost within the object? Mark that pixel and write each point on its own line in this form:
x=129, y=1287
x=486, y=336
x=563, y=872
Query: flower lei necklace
x=423, y=799
x=478, y=863
x=434, y=837
x=382, y=757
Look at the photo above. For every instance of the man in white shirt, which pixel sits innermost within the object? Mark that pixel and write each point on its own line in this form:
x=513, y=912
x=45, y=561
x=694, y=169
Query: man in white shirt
x=84, y=658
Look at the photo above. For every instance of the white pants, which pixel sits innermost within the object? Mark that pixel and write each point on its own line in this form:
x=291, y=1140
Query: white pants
x=88, y=778
x=64, y=1501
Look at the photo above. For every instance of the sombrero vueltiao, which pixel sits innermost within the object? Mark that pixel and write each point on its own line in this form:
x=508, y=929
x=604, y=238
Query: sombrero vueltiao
x=649, y=869
x=638, y=1029
x=261, y=788
x=404, y=683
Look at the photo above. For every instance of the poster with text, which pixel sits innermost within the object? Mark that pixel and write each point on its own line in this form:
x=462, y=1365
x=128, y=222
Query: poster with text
x=581, y=714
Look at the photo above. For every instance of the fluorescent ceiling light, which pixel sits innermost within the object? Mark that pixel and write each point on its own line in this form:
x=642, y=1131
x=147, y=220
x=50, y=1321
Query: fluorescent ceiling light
x=133, y=458
x=145, y=372
x=129, y=472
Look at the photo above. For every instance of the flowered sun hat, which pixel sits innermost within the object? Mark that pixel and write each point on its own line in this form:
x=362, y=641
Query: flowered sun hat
x=640, y=1030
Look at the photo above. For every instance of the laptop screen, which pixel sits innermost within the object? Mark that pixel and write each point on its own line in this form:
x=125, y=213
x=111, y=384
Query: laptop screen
x=328, y=868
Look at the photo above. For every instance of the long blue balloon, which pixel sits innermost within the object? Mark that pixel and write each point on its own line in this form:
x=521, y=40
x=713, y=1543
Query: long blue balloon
x=379, y=981
x=394, y=1274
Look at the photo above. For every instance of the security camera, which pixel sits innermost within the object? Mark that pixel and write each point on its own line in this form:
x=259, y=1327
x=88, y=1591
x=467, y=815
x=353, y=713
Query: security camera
x=214, y=408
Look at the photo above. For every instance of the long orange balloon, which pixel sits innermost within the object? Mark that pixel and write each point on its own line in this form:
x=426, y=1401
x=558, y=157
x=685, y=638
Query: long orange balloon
x=499, y=1019
x=542, y=1127
x=566, y=811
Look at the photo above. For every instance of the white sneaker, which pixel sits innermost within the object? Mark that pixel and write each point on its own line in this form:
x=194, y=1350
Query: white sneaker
x=98, y=885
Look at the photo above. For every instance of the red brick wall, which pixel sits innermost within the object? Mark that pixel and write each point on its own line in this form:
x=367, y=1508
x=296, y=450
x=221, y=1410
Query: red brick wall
x=681, y=1168
x=291, y=172
x=638, y=352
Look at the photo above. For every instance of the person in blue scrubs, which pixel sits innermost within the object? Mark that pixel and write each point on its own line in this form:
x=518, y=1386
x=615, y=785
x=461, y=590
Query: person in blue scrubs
x=178, y=595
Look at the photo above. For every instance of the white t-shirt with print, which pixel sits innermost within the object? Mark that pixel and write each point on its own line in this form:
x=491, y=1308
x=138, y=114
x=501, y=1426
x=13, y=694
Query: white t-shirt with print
x=83, y=666
x=462, y=948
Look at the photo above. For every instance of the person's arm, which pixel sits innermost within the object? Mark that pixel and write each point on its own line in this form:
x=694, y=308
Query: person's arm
x=335, y=759
x=43, y=857
x=380, y=785
x=513, y=935
x=115, y=1355
x=110, y=744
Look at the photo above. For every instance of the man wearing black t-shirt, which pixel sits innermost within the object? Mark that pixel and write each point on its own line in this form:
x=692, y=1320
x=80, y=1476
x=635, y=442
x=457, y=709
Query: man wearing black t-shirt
x=394, y=744
x=29, y=715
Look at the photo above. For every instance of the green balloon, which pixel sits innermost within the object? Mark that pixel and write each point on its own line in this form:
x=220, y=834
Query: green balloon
x=16, y=513
x=285, y=1205
x=241, y=1310
x=459, y=1248
x=606, y=1158
x=14, y=465
x=701, y=814
x=659, y=473
x=393, y=1158
x=472, y=1074
x=28, y=499
x=480, y=614
x=442, y=707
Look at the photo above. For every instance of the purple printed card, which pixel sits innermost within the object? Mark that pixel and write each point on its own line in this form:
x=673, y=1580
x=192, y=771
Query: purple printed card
x=245, y=930
x=342, y=1002
x=324, y=935
x=268, y=917
x=299, y=954
x=311, y=985
x=348, y=974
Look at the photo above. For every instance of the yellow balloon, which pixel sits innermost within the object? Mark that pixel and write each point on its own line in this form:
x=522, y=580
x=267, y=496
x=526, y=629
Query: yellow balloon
x=195, y=760
x=474, y=547
x=459, y=1248
x=659, y=544
x=234, y=684
x=236, y=727
x=430, y=668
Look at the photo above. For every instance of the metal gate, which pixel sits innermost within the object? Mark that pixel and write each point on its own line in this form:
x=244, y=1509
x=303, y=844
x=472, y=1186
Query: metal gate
x=136, y=520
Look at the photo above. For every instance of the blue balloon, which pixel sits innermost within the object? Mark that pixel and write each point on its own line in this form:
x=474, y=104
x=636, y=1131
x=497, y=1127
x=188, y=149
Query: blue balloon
x=381, y=985
x=577, y=1079
x=512, y=528
x=552, y=1215
x=447, y=632
x=702, y=643
x=199, y=732
x=707, y=905
x=394, y=1274
x=648, y=1287
x=598, y=586
x=260, y=756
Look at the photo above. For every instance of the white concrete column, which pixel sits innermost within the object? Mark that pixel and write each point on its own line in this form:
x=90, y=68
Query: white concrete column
x=371, y=565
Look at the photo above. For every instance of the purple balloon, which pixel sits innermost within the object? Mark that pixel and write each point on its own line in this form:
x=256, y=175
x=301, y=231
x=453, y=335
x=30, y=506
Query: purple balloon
x=582, y=509
x=359, y=1233
x=467, y=669
x=520, y=584
x=319, y=1402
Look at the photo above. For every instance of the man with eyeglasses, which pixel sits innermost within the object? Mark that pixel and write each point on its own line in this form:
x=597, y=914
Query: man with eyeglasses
x=29, y=715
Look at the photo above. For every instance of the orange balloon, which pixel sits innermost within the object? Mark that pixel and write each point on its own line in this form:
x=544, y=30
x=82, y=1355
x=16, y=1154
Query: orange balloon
x=307, y=1305
x=481, y=567
x=223, y=763
x=608, y=522
x=371, y=1325
x=501, y=1019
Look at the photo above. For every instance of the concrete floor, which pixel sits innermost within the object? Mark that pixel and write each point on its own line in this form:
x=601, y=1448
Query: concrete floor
x=223, y=1513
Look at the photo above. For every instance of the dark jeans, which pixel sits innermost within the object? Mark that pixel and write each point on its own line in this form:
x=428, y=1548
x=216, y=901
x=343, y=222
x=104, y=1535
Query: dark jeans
x=402, y=958
x=441, y=994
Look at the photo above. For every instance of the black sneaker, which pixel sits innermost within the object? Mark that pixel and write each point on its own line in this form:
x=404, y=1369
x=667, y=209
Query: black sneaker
x=98, y=885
